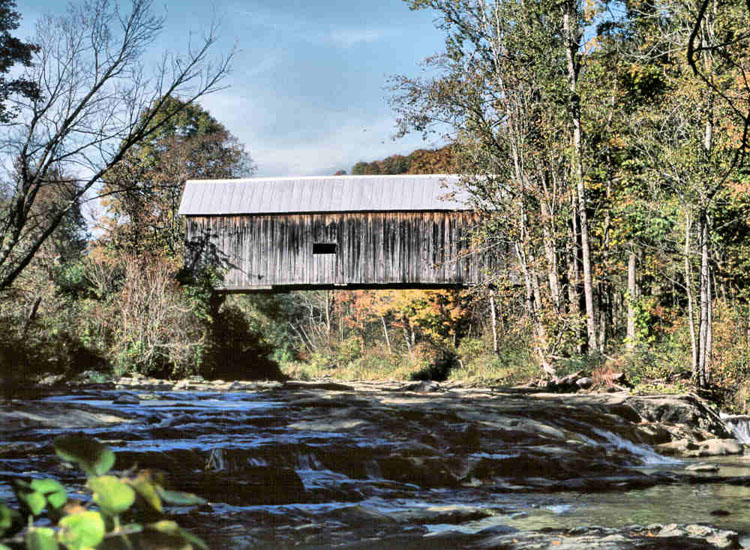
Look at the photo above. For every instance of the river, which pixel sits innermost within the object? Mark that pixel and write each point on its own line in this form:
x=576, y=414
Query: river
x=321, y=466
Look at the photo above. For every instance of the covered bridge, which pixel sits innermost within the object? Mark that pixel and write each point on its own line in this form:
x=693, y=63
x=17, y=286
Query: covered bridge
x=332, y=232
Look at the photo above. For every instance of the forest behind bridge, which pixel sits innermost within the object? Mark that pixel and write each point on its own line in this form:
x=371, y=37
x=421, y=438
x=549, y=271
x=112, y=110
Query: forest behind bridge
x=611, y=141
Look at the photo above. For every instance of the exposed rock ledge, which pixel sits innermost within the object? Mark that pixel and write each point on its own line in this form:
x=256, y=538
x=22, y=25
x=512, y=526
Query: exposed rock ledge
x=32, y=415
x=676, y=425
x=652, y=537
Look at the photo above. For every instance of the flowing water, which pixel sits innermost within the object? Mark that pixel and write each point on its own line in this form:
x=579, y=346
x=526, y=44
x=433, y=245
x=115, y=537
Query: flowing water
x=317, y=467
x=740, y=425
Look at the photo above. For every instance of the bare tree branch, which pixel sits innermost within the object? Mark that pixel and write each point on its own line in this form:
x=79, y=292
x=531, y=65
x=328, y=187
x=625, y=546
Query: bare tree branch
x=96, y=103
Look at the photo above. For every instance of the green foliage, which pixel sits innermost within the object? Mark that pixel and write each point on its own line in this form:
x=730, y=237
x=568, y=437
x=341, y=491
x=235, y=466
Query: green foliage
x=9, y=520
x=13, y=52
x=39, y=494
x=90, y=455
x=348, y=350
x=41, y=538
x=78, y=527
x=471, y=349
x=178, y=498
x=173, y=530
x=421, y=161
x=113, y=495
x=82, y=530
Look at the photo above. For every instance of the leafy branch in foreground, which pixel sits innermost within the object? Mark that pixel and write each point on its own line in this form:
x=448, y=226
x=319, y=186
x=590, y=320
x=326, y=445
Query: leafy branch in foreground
x=49, y=520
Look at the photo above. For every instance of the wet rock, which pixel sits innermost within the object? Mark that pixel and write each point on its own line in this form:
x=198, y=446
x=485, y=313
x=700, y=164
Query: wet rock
x=625, y=411
x=54, y=415
x=332, y=425
x=150, y=396
x=718, y=538
x=51, y=380
x=138, y=381
x=676, y=448
x=716, y=447
x=127, y=399
x=685, y=410
x=257, y=486
x=702, y=467
x=653, y=434
x=442, y=515
x=653, y=537
x=364, y=514
x=584, y=383
x=469, y=438
x=429, y=472
x=323, y=386
x=18, y=450
x=422, y=387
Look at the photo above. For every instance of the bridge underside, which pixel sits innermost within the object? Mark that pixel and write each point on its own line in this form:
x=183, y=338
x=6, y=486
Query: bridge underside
x=278, y=289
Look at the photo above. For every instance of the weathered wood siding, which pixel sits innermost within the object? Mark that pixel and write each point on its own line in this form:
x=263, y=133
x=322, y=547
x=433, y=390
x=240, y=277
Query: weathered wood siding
x=373, y=249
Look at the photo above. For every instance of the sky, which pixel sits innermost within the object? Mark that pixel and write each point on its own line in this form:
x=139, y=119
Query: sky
x=307, y=94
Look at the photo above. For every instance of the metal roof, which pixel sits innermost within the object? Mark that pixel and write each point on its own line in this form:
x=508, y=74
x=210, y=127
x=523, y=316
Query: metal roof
x=322, y=194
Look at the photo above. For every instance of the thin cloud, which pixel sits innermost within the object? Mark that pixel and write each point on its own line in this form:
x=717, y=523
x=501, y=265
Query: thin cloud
x=346, y=38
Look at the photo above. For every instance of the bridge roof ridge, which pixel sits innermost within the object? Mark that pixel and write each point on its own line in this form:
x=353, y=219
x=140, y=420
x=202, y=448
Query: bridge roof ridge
x=292, y=195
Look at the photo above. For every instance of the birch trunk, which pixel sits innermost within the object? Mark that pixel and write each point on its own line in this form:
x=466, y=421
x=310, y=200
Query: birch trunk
x=631, y=301
x=572, y=47
x=385, y=333
x=690, y=298
x=493, y=321
x=705, y=297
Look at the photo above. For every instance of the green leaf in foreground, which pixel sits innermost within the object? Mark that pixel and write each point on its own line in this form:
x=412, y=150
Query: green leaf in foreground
x=41, y=538
x=81, y=531
x=52, y=490
x=9, y=519
x=111, y=494
x=146, y=489
x=31, y=500
x=178, y=498
x=90, y=455
x=171, y=529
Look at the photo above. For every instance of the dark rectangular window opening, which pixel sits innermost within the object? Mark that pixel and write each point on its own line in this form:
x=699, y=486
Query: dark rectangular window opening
x=324, y=248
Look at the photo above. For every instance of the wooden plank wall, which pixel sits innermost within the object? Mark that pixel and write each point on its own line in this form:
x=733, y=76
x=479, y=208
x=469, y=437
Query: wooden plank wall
x=373, y=249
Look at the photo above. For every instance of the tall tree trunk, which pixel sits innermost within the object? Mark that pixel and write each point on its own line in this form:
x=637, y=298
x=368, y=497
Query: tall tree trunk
x=329, y=305
x=710, y=327
x=690, y=298
x=705, y=297
x=385, y=333
x=550, y=254
x=406, y=338
x=572, y=47
x=632, y=297
x=533, y=298
x=571, y=249
x=493, y=321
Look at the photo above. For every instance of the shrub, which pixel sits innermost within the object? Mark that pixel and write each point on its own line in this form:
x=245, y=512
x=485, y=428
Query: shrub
x=348, y=350
x=471, y=348
x=47, y=518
